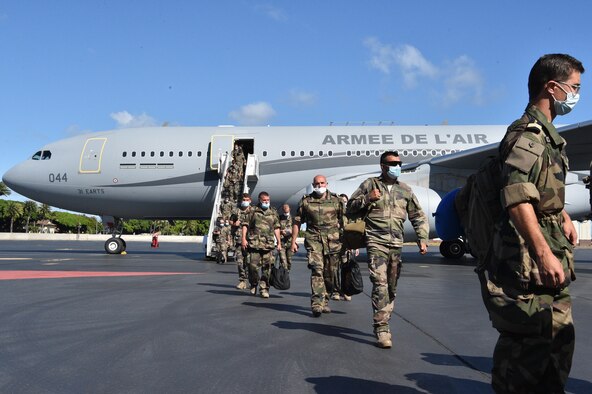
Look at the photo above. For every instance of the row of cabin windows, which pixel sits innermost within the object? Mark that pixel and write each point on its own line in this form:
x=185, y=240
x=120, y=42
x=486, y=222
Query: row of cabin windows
x=349, y=153
x=162, y=154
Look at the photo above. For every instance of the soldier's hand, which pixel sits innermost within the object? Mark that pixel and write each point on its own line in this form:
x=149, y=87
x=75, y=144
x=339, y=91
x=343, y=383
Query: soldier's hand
x=244, y=244
x=551, y=270
x=423, y=248
x=570, y=232
x=374, y=195
x=294, y=247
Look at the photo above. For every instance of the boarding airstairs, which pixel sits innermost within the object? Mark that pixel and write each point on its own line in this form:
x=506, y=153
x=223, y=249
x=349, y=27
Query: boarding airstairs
x=250, y=178
x=251, y=174
x=224, y=162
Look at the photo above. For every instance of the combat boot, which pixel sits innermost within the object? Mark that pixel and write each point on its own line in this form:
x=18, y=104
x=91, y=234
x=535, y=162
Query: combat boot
x=241, y=285
x=383, y=340
x=254, y=290
x=326, y=309
x=317, y=310
x=335, y=296
x=264, y=293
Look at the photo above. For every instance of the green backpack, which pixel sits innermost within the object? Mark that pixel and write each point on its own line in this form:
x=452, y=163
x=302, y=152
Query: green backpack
x=478, y=205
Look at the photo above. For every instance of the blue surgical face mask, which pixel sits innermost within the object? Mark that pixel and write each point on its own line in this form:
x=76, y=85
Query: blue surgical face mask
x=564, y=107
x=394, y=172
x=264, y=205
x=245, y=204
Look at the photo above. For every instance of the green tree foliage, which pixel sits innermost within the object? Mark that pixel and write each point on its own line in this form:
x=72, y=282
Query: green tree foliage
x=73, y=223
x=30, y=209
x=44, y=211
x=13, y=210
x=22, y=216
x=4, y=190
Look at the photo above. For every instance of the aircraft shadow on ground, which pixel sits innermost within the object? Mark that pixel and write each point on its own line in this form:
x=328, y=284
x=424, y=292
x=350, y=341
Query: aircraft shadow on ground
x=345, y=385
x=328, y=330
x=483, y=364
x=431, y=383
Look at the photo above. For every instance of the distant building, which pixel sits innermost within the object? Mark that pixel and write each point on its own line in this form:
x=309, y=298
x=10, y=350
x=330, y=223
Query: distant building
x=46, y=226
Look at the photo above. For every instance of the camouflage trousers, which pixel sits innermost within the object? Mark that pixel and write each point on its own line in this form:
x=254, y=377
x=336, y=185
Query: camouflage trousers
x=222, y=252
x=534, y=351
x=384, y=264
x=323, y=269
x=286, y=255
x=242, y=265
x=260, y=259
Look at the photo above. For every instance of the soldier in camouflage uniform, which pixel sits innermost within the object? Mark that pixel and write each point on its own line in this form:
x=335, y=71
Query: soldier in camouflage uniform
x=226, y=208
x=261, y=225
x=532, y=264
x=286, y=234
x=223, y=241
x=388, y=203
x=322, y=212
x=240, y=254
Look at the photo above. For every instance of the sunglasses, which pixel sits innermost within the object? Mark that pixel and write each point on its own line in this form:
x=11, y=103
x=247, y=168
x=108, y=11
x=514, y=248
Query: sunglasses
x=393, y=163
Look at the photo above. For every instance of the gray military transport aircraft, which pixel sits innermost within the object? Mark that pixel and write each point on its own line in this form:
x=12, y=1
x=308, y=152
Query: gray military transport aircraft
x=178, y=172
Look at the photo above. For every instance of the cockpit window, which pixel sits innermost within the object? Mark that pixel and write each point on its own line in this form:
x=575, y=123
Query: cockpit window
x=46, y=155
x=37, y=155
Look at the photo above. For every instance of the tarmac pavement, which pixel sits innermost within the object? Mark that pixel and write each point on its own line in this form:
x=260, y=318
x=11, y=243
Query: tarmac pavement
x=74, y=319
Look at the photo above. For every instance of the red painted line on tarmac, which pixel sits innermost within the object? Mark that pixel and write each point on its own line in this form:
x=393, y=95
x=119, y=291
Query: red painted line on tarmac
x=12, y=275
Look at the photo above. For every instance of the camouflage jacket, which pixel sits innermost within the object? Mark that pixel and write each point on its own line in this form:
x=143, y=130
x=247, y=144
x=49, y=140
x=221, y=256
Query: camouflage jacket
x=224, y=236
x=384, y=223
x=261, y=225
x=286, y=229
x=324, y=221
x=534, y=165
x=238, y=214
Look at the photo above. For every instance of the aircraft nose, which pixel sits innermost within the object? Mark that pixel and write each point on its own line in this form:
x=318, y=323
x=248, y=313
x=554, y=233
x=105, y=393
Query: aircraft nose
x=11, y=177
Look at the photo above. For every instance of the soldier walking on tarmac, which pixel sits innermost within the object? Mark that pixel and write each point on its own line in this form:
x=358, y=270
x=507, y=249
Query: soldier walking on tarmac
x=286, y=234
x=531, y=265
x=322, y=211
x=261, y=225
x=387, y=202
x=240, y=254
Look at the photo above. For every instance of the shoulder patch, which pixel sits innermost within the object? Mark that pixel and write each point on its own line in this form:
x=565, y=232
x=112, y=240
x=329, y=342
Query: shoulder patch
x=524, y=154
x=534, y=127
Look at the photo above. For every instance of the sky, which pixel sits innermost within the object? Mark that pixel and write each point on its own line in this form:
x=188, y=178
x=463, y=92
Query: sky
x=72, y=67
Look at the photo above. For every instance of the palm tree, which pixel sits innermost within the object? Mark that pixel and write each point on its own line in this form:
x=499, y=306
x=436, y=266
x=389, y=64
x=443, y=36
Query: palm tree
x=44, y=211
x=29, y=210
x=14, y=210
x=4, y=190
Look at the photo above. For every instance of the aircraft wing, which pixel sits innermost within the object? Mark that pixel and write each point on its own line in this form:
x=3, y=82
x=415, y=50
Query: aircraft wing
x=579, y=145
x=579, y=151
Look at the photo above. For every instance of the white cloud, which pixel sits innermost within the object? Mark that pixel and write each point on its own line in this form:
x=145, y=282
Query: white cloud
x=253, y=114
x=126, y=120
x=300, y=98
x=456, y=80
x=463, y=79
x=409, y=60
x=272, y=12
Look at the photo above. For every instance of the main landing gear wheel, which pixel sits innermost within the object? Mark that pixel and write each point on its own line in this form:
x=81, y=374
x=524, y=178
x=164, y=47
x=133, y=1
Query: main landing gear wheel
x=115, y=245
x=452, y=249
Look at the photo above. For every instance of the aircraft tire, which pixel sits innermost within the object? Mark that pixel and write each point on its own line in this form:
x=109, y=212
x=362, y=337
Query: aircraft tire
x=114, y=245
x=452, y=249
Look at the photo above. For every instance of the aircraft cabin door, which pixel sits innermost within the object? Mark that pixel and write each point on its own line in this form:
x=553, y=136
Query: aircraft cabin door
x=92, y=154
x=220, y=144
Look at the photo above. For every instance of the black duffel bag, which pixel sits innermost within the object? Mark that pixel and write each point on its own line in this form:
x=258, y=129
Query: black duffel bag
x=351, y=278
x=279, y=277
